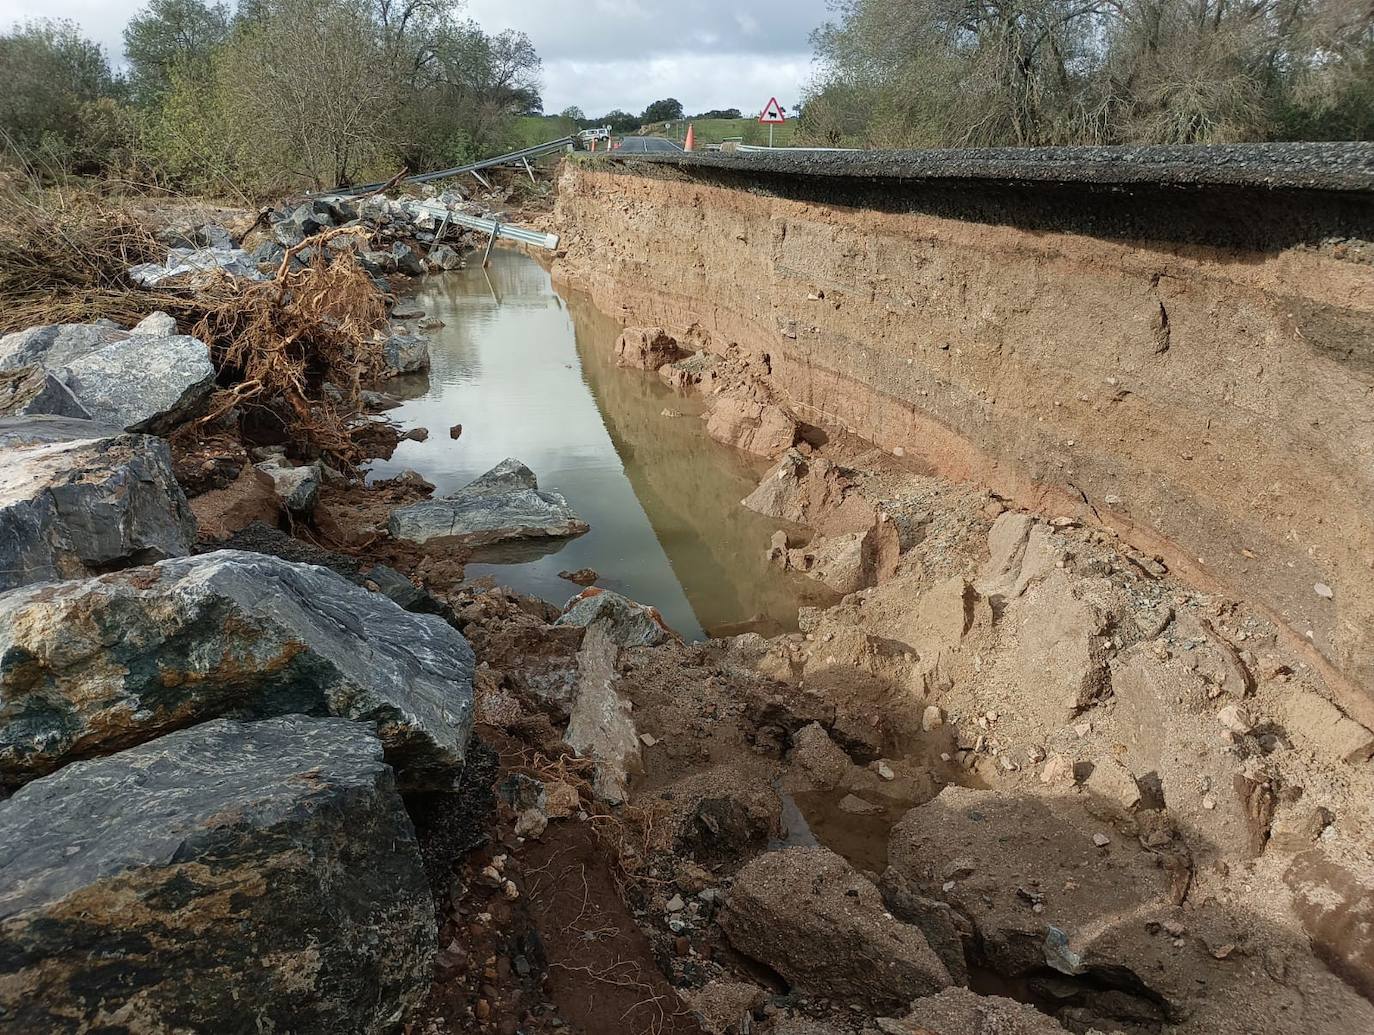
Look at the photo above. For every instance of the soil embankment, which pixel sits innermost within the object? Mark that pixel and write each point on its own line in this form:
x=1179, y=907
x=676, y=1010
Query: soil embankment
x=1188, y=363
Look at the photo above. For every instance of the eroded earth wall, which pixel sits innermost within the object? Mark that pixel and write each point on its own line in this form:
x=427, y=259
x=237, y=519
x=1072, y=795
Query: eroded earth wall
x=1192, y=365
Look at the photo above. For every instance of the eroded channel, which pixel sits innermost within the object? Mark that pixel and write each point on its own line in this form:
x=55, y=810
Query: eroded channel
x=532, y=375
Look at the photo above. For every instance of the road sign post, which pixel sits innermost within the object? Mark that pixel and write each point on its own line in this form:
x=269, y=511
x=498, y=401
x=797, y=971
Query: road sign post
x=772, y=115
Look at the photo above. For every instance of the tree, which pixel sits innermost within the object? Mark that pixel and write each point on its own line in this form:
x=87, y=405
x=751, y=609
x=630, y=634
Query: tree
x=302, y=91
x=167, y=35
x=619, y=121
x=720, y=113
x=469, y=87
x=573, y=112
x=51, y=72
x=665, y=110
x=1032, y=72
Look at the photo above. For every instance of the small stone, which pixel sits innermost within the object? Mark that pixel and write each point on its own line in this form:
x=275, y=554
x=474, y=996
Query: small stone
x=1324, y=591
x=510, y=890
x=648, y=739
x=1058, y=771
x=1005, y=761
x=456, y=431
x=1208, y=802
x=1174, y=929
x=676, y=905
x=884, y=771
x=531, y=823
x=1236, y=719
x=1083, y=729
x=1101, y=840
x=932, y=718
x=483, y=1009
x=856, y=806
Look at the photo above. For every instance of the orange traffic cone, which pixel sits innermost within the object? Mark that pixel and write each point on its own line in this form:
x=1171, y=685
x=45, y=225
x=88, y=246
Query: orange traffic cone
x=593, y=143
x=691, y=141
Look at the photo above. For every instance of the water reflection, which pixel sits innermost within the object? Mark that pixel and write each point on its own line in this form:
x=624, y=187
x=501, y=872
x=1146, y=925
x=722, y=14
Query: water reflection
x=531, y=377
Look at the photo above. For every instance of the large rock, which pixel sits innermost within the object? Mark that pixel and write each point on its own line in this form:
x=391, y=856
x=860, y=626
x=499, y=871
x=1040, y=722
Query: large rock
x=748, y=419
x=811, y=491
x=75, y=506
x=821, y=925
x=56, y=344
x=630, y=623
x=505, y=503
x=146, y=382
x=195, y=263
x=94, y=666
x=232, y=877
x=43, y=429
x=406, y=354
x=147, y=379
x=31, y=391
x=646, y=348
x=601, y=726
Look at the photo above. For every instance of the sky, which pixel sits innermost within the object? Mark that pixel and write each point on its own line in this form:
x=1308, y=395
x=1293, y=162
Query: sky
x=599, y=54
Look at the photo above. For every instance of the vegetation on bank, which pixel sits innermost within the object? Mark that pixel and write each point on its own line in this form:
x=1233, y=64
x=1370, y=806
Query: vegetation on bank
x=911, y=73
x=279, y=94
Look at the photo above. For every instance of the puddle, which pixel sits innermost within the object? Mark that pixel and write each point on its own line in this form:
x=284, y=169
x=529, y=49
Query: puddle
x=532, y=376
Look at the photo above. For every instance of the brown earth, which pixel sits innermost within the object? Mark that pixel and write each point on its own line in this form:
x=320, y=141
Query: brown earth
x=1081, y=355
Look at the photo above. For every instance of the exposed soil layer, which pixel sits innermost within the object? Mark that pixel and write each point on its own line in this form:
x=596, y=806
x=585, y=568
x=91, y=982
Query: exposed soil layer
x=1191, y=368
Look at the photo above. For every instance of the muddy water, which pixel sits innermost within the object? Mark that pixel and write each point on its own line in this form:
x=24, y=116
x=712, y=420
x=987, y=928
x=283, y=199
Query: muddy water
x=531, y=375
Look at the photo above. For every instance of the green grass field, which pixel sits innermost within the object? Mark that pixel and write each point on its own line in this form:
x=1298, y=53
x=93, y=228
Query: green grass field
x=714, y=131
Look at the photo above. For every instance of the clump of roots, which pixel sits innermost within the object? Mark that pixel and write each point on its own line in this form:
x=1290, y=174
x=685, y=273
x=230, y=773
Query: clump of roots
x=281, y=339
x=64, y=258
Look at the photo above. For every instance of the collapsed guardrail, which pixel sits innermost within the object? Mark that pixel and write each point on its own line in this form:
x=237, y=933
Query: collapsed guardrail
x=522, y=156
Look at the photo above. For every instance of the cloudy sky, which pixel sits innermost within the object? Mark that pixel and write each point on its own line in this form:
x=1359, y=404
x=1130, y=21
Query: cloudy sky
x=600, y=54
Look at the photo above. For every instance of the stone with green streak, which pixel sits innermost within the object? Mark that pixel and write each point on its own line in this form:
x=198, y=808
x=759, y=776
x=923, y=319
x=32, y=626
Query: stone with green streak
x=91, y=667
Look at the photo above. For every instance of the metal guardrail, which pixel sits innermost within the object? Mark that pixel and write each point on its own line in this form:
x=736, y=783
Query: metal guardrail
x=491, y=227
x=523, y=156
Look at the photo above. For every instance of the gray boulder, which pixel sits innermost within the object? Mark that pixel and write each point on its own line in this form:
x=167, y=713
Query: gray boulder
x=479, y=520
x=505, y=503
x=406, y=354
x=297, y=487
x=630, y=624
x=377, y=263
x=30, y=391
x=97, y=665
x=78, y=500
x=185, y=262
x=41, y=429
x=146, y=382
x=56, y=344
x=231, y=877
x=510, y=475
x=407, y=261
x=157, y=323
x=442, y=257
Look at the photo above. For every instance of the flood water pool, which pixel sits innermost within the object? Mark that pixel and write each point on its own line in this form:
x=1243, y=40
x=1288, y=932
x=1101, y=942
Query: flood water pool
x=532, y=375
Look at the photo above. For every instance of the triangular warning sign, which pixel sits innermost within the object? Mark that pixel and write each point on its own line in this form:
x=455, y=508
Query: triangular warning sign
x=772, y=112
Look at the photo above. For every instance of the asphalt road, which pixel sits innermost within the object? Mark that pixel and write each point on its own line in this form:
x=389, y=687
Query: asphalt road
x=1321, y=166
x=648, y=145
